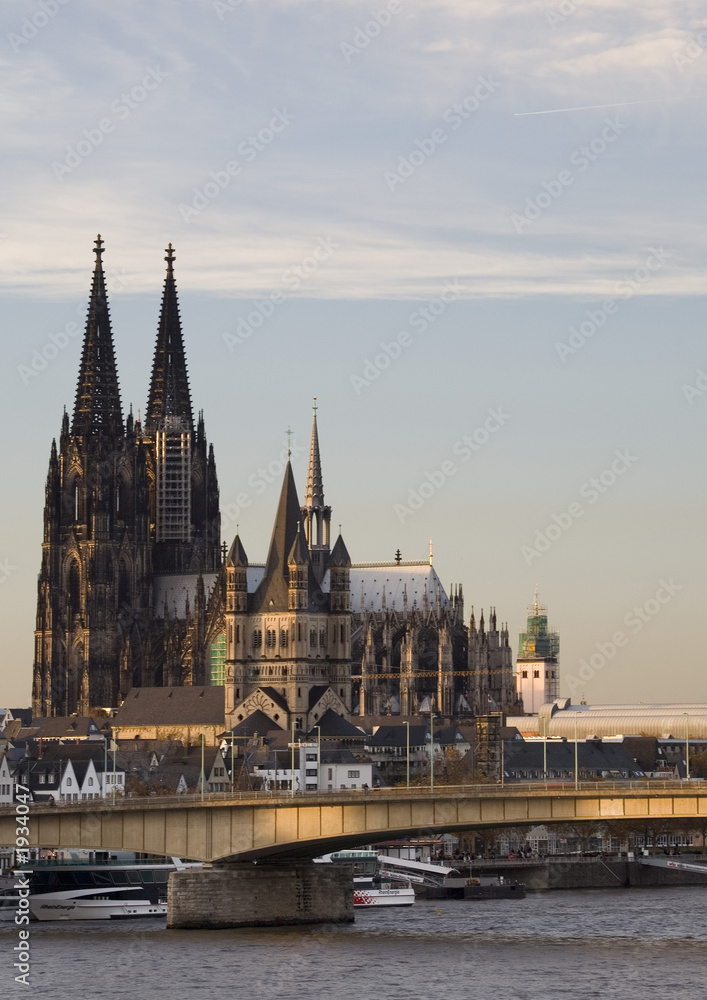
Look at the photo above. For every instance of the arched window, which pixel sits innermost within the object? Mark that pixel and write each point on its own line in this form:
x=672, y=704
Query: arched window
x=322, y=639
x=257, y=638
x=312, y=639
x=74, y=589
x=271, y=638
x=283, y=636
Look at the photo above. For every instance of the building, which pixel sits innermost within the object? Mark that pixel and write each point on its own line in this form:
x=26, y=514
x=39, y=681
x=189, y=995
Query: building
x=682, y=722
x=538, y=662
x=135, y=590
x=127, y=508
x=171, y=713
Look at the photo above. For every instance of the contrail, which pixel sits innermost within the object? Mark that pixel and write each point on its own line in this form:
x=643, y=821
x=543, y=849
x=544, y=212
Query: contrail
x=596, y=107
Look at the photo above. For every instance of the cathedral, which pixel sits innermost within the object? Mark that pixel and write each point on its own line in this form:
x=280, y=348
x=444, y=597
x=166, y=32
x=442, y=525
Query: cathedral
x=136, y=589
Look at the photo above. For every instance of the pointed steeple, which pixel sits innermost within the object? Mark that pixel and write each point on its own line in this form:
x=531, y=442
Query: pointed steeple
x=98, y=414
x=314, y=496
x=169, y=385
x=272, y=593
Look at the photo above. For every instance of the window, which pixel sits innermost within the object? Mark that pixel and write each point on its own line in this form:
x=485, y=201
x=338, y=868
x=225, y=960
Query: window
x=42, y=779
x=50, y=779
x=342, y=633
x=322, y=639
x=90, y=781
x=536, y=673
x=525, y=673
x=354, y=774
x=271, y=638
x=283, y=636
x=312, y=639
x=68, y=782
x=311, y=772
x=257, y=638
x=310, y=756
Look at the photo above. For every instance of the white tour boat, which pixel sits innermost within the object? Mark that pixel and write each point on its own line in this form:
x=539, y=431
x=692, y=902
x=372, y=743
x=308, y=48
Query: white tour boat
x=372, y=887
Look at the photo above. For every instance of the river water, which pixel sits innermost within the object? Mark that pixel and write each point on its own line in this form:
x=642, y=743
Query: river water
x=609, y=945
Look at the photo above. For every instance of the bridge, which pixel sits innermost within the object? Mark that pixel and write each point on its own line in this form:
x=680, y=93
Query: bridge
x=249, y=826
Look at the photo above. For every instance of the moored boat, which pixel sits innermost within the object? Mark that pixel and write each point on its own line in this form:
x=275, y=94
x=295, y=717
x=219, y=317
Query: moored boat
x=372, y=887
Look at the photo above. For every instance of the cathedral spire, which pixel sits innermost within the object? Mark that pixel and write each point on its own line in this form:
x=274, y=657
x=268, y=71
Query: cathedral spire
x=314, y=496
x=98, y=414
x=169, y=385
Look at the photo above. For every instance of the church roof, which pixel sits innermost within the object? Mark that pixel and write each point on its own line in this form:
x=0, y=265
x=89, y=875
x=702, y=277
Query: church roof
x=368, y=584
x=176, y=706
x=340, y=554
x=176, y=589
x=257, y=722
x=169, y=385
x=272, y=593
x=236, y=555
x=98, y=413
x=332, y=724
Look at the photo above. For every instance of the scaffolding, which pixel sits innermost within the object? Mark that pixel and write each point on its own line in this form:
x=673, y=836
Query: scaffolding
x=173, y=480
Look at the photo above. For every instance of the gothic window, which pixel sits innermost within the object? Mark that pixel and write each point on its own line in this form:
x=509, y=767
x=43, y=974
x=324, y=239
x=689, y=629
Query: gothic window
x=342, y=633
x=312, y=639
x=283, y=637
x=322, y=639
x=271, y=638
x=74, y=590
x=124, y=600
x=257, y=638
x=299, y=631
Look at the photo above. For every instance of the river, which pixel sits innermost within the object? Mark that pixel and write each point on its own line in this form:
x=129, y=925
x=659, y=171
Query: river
x=609, y=945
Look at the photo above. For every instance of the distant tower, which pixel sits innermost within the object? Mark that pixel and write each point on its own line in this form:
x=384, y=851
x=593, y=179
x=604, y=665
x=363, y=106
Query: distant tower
x=184, y=498
x=95, y=550
x=538, y=662
x=315, y=513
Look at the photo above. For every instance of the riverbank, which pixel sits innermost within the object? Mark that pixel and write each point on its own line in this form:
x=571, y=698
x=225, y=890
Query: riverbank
x=541, y=874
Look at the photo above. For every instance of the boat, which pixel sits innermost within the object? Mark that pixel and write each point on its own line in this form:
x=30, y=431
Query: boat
x=109, y=889
x=372, y=886
x=440, y=882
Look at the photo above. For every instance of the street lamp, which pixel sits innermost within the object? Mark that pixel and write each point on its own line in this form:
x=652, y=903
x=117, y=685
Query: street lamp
x=687, y=744
x=203, y=776
x=319, y=754
x=115, y=750
x=432, y=751
x=576, y=769
x=292, y=759
x=407, y=754
x=545, y=748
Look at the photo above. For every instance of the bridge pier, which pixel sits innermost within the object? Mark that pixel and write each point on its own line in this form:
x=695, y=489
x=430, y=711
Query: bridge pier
x=263, y=895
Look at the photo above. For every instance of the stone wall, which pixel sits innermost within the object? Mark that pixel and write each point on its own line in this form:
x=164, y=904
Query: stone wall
x=263, y=895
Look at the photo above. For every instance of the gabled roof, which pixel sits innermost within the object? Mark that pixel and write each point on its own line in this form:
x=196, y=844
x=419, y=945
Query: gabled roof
x=279, y=699
x=339, y=554
x=332, y=725
x=256, y=723
x=177, y=706
x=396, y=736
x=69, y=727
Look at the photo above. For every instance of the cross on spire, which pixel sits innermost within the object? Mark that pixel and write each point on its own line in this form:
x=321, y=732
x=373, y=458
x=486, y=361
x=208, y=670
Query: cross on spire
x=98, y=250
x=289, y=442
x=170, y=258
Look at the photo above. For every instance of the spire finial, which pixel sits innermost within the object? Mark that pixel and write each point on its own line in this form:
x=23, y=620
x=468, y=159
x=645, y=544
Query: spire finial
x=289, y=442
x=170, y=259
x=98, y=249
x=430, y=551
x=314, y=406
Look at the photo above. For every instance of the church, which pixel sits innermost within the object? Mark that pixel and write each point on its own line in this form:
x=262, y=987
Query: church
x=136, y=588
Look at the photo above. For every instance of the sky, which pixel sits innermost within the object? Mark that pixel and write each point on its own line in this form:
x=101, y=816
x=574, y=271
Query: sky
x=473, y=230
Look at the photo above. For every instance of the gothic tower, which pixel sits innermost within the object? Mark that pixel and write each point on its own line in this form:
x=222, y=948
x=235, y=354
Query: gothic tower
x=91, y=595
x=184, y=497
x=315, y=513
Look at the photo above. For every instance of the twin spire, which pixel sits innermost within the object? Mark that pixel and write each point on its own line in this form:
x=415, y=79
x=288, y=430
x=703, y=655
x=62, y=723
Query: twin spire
x=98, y=414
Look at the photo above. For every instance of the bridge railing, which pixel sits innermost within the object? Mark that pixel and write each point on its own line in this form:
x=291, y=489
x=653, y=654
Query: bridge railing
x=284, y=797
